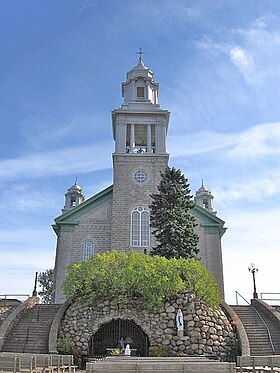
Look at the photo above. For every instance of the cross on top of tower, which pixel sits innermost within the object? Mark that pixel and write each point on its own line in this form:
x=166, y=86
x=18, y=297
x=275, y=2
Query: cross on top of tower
x=140, y=55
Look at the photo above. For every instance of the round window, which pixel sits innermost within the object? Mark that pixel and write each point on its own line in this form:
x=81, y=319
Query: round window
x=140, y=176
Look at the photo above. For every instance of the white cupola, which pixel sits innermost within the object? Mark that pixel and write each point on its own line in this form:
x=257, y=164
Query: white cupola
x=140, y=85
x=204, y=199
x=73, y=197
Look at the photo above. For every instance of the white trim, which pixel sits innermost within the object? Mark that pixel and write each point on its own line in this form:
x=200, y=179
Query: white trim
x=88, y=250
x=140, y=237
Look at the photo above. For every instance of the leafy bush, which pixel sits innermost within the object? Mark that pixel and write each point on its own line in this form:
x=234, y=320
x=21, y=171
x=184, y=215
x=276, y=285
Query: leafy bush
x=65, y=345
x=121, y=277
x=161, y=351
x=117, y=352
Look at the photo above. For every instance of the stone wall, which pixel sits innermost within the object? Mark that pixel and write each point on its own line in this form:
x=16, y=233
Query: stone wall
x=206, y=331
x=128, y=193
x=95, y=226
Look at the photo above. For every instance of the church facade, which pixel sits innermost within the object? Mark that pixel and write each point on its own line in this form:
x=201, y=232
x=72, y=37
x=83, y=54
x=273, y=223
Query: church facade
x=117, y=218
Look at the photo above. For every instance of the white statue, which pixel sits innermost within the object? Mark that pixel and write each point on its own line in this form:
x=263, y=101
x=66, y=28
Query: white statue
x=127, y=351
x=180, y=321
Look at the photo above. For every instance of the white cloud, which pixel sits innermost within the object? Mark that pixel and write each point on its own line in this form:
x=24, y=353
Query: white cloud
x=26, y=238
x=254, y=50
x=66, y=161
x=23, y=198
x=259, y=140
x=251, y=237
x=199, y=143
x=24, y=252
x=241, y=58
x=246, y=165
x=260, y=42
x=238, y=278
x=263, y=21
x=244, y=224
x=20, y=262
x=33, y=260
x=38, y=134
x=256, y=141
x=255, y=188
x=211, y=45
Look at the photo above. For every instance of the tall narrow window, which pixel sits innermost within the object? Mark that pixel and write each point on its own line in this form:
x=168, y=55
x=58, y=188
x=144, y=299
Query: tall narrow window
x=88, y=251
x=140, y=227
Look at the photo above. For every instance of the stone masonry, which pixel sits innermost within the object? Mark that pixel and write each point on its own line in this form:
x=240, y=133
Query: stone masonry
x=128, y=193
x=206, y=331
x=95, y=226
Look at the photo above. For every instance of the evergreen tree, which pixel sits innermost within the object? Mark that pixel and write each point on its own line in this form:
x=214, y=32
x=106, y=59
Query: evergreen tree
x=171, y=222
x=46, y=283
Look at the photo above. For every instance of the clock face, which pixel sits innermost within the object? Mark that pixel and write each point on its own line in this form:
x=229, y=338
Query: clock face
x=140, y=176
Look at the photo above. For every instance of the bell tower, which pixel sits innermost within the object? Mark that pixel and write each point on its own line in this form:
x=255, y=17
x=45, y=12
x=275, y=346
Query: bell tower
x=73, y=197
x=204, y=199
x=139, y=130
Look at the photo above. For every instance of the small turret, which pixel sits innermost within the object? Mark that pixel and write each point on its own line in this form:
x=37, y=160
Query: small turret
x=73, y=197
x=204, y=199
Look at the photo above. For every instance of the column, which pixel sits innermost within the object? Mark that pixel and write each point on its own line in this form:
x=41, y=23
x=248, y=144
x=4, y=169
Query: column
x=160, y=138
x=132, y=138
x=133, y=90
x=67, y=202
x=120, y=146
x=149, y=139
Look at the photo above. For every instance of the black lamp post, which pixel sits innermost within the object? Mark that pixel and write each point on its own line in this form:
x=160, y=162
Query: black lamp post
x=34, y=293
x=253, y=269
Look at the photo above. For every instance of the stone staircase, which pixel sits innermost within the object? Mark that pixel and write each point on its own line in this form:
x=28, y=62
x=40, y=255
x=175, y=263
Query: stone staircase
x=31, y=333
x=257, y=332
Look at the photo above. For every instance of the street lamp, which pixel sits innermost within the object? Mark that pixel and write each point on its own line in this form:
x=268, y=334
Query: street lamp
x=34, y=293
x=253, y=269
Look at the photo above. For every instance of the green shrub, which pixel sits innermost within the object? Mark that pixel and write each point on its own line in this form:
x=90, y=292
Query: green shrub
x=65, y=345
x=152, y=280
x=117, y=352
x=161, y=351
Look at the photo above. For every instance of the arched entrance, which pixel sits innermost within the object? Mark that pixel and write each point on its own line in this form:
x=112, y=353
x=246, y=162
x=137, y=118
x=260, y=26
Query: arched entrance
x=110, y=334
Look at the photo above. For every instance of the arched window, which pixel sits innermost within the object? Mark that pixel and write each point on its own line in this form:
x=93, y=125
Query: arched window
x=88, y=250
x=140, y=227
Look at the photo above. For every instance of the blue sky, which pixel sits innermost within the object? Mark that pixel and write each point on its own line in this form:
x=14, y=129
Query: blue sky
x=217, y=62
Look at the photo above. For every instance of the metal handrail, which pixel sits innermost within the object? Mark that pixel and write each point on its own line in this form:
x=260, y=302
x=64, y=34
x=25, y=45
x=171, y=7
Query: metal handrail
x=262, y=320
x=270, y=298
x=13, y=295
x=6, y=297
x=236, y=297
x=267, y=329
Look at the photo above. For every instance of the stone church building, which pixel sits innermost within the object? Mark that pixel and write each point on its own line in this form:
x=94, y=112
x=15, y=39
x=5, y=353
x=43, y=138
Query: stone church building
x=118, y=217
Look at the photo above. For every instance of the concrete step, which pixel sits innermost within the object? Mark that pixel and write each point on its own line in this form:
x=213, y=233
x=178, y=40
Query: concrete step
x=256, y=330
x=31, y=333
